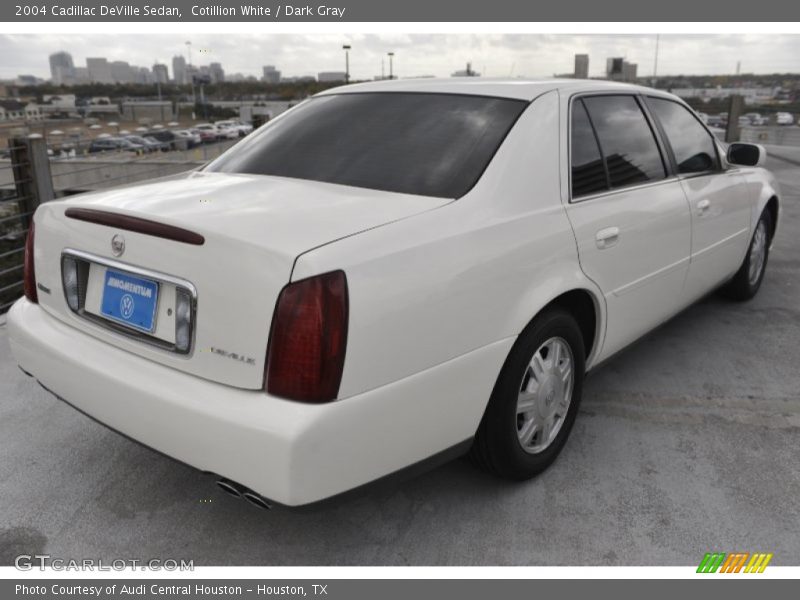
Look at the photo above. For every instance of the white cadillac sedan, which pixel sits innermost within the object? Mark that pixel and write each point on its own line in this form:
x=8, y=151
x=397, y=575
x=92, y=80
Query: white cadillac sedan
x=389, y=274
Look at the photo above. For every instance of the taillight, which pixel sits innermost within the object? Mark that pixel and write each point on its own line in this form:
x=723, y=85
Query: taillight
x=28, y=272
x=305, y=357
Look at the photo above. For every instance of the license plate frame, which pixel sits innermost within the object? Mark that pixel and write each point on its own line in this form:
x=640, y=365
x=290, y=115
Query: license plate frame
x=129, y=300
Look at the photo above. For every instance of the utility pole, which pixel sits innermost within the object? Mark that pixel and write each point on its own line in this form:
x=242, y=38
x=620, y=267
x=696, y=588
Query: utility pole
x=158, y=81
x=346, y=49
x=391, y=56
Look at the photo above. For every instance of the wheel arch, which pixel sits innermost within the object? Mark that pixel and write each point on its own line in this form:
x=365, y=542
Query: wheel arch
x=774, y=210
x=583, y=306
x=586, y=306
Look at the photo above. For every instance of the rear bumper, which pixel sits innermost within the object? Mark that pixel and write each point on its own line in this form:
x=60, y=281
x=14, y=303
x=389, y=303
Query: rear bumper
x=289, y=452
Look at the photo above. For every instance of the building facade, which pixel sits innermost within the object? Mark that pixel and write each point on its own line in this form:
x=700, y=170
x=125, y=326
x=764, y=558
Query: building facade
x=62, y=69
x=581, y=66
x=270, y=74
x=99, y=70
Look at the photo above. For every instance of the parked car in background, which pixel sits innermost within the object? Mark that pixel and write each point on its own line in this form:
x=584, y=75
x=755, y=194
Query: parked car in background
x=162, y=146
x=150, y=145
x=173, y=141
x=756, y=119
x=784, y=118
x=207, y=136
x=116, y=144
x=209, y=132
x=192, y=139
x=241, y=129
x=324, y=304
x=715, y=121
x=227, y=131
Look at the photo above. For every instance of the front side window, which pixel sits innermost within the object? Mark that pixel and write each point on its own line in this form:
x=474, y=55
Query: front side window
x=626, y=140
x=693, y=146
x=414, y=143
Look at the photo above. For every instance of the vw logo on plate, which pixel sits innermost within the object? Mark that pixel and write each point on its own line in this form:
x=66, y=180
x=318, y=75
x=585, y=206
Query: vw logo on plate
x=118, y=245
x=126, y=306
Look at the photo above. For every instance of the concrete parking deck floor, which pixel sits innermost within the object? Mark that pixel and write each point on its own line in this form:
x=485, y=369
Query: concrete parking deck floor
x=688, y=442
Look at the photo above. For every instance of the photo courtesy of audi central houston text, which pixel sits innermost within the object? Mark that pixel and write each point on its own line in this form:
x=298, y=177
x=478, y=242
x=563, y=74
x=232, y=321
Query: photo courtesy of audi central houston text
x=507, y=298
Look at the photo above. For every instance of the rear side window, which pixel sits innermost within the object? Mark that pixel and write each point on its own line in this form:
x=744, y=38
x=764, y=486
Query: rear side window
x=693, y=146
x=425, y=144
x=626, y=140
x=588, y=170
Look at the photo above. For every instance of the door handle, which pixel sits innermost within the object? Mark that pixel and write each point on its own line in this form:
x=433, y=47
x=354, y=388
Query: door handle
x=607, y=237
x=703, y=205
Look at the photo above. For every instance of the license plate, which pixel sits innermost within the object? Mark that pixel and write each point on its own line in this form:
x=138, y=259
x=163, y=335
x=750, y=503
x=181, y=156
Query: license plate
x=130, y=300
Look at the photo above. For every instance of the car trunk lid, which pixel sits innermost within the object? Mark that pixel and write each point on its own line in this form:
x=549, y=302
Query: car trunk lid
x=252, y=229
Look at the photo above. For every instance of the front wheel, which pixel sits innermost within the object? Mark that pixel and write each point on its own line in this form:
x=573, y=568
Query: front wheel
x=747, y=281
x=535, y=400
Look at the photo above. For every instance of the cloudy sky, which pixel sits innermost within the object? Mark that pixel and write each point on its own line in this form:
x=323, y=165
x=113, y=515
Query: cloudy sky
x=532, y=55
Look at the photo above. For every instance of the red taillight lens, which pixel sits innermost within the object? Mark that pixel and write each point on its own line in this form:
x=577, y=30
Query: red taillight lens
x=28, y=272
x=307, y=343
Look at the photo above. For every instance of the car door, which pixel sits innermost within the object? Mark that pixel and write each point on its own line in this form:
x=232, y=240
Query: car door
x=718, y=197
x=630, y=216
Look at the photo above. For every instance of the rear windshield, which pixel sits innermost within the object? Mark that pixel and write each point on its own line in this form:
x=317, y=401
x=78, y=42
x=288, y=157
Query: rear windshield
x=425, y=144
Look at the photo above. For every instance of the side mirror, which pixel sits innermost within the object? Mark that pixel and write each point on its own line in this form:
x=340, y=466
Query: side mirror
x=748, y=155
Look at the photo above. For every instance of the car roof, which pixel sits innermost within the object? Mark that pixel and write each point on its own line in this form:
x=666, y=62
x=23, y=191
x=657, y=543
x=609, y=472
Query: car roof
x=519, y=89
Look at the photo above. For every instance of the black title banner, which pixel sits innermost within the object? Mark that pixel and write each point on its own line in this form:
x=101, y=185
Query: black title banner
x=400, y=11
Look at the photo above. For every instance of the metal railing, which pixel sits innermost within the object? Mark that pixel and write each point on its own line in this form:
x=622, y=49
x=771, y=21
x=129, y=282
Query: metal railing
x=24, y=183
x=32, y=172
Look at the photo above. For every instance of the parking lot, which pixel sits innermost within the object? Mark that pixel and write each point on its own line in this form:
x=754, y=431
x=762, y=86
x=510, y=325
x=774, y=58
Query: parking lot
x=686, y=443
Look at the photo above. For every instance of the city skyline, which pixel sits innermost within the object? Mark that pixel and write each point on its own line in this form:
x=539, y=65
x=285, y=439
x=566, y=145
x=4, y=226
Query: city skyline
x=518, y=55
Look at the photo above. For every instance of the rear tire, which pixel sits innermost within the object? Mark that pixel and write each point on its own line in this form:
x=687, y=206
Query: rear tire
x=535, y=399
x=747, y=281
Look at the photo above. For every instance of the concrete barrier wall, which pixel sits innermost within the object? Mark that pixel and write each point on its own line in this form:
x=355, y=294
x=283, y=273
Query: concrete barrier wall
x=777, y=136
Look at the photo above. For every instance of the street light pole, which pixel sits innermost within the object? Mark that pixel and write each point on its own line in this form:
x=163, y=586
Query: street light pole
x=346, y=49
x=391, y=56
x=655, y=62
x=191, y=78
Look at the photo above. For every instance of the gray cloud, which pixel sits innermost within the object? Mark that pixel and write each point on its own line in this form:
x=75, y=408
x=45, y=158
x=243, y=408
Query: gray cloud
x=531, y=55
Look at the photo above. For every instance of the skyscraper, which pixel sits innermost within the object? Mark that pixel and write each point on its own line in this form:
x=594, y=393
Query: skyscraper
x=99, y=70
x=271, y=74
x=122, y=72
x=581, y=66
x=160, y=73
x=62, y=69
x=179, y=69
x=216, y=72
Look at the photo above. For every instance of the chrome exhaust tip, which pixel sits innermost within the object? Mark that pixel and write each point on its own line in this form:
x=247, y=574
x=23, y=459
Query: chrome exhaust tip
x=229, y=487
x=256, y=500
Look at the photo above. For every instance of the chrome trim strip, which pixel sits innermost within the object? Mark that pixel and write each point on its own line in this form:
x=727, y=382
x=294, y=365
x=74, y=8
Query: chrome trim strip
x=623, y=190
x=109, y=325
x=147, y=273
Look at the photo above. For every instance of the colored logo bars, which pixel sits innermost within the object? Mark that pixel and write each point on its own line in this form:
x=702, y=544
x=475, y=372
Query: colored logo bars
x=734, y=562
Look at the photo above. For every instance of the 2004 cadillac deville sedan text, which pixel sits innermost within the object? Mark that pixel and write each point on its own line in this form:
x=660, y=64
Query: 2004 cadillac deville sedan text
x=386, y=273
